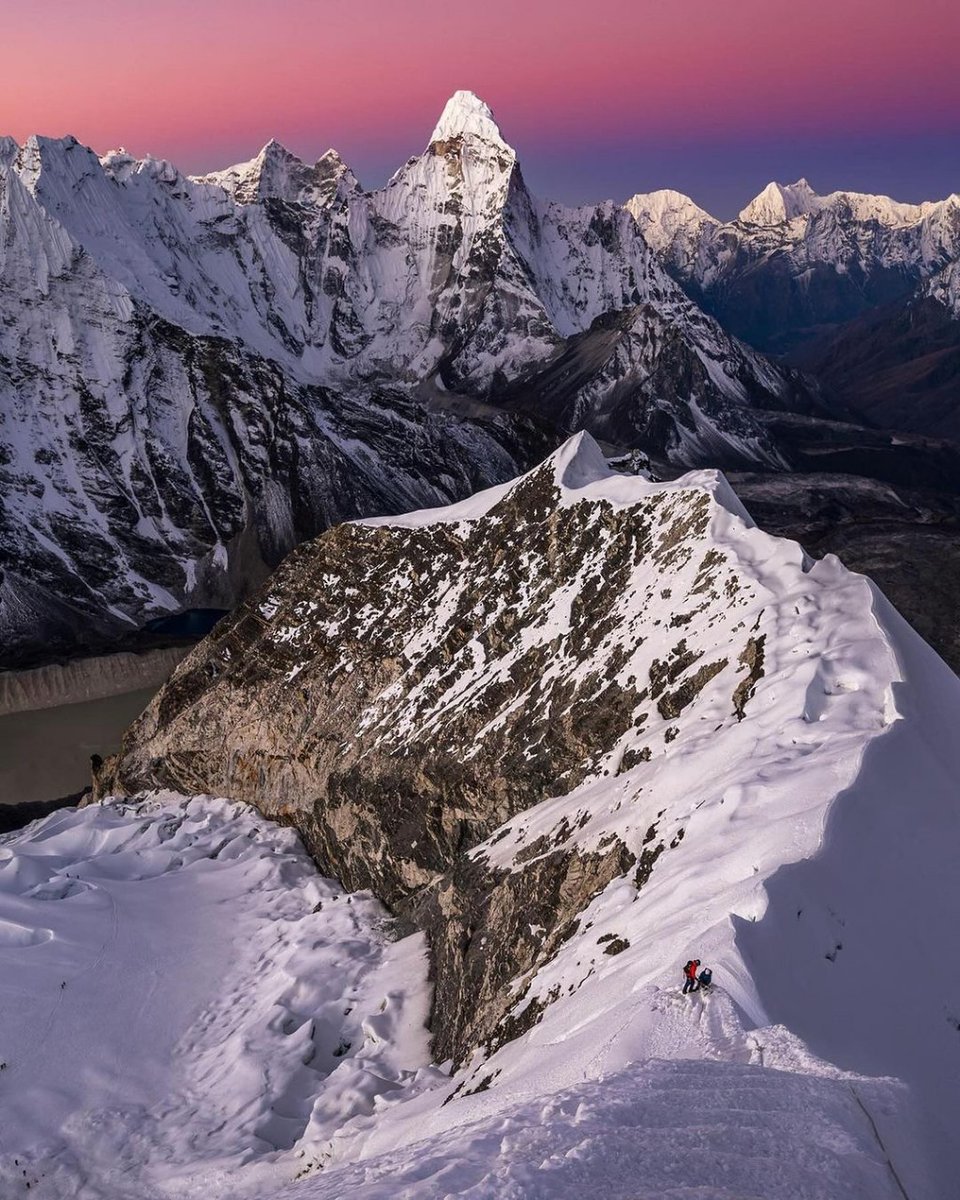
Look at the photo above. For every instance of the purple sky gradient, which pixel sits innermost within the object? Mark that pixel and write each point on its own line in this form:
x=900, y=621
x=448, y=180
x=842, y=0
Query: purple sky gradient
x=601, y=99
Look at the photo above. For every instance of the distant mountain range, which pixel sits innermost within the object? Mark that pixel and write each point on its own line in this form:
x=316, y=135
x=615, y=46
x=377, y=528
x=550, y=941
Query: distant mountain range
x=861, y=290
x=198, y=373
x=794, y=265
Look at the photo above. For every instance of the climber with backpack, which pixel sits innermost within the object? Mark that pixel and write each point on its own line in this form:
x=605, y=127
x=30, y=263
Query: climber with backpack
x=690, y=976
x=706, y=978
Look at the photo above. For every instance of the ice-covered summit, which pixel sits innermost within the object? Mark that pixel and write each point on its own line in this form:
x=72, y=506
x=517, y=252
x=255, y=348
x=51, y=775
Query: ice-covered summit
x=666, y=215
x=779, y=202
x=277, y=173
x=466, y=115
x=795, y=262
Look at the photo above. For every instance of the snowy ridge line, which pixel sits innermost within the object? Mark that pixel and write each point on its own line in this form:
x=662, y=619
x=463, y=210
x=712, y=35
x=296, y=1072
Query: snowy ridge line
x=838, y=669
x=794, y=263
x=250, y=1096
x=581, y=729
x=642, y=1130
x=778, y=203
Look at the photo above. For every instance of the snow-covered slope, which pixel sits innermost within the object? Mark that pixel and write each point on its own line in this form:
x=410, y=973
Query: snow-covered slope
x=197, y=373
x=258, y=1014
x=666, y=215
x=178, y=986
x=794, y=263
x=580, y=728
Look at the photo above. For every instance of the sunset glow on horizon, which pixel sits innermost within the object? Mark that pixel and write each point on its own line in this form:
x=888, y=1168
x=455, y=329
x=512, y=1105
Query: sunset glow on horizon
x=595, y=97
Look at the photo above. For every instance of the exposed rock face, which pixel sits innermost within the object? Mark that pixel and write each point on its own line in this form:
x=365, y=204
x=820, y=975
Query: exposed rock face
x=405, y=690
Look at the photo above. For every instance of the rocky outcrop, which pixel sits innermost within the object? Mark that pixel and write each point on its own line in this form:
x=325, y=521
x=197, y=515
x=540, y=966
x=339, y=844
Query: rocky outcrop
x=406, y=690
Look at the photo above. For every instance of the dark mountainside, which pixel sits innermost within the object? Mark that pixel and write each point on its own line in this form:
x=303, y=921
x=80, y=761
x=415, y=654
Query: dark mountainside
x=779, y=311
x=897, y=367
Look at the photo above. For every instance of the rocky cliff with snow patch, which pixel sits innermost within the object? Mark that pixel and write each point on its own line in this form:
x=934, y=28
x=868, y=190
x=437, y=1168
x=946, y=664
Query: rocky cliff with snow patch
x=530, y=722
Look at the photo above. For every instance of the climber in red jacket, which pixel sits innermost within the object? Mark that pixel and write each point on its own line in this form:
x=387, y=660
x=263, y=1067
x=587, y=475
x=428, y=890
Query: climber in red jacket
x=690, y=976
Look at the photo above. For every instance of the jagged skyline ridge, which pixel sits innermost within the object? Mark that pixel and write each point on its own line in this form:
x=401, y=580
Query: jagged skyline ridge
x=275, y=166
x=643, y=97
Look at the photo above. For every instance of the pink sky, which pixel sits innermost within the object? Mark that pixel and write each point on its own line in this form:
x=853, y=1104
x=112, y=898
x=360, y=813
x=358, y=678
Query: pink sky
x=206, y=81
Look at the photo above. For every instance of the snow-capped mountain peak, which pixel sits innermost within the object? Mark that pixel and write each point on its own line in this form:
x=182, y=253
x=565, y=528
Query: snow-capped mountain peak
x=332, y=176
x=466, y=115
x=452, y=275
x=271, y=173
x=63, y=157
x=780, y=202
x=610, y=712
x=278, y=174
x=665, y=214
x=795, y=262
x=120, y=164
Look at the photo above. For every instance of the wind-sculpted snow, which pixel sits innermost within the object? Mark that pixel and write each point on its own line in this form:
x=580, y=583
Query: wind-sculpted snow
x=577, y=729
x=189, y=1010
x=182, y=994
x=659, y=1131
x=194, y=371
